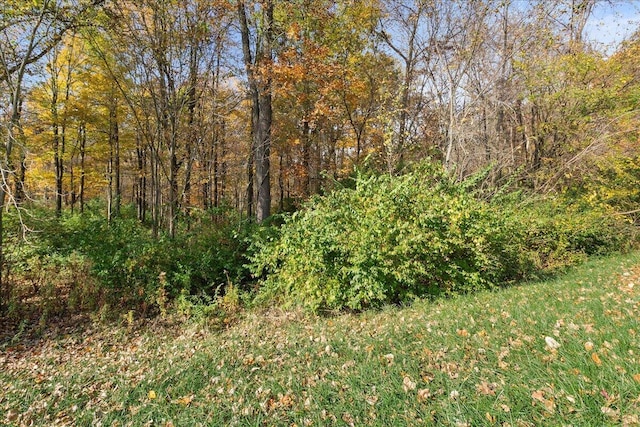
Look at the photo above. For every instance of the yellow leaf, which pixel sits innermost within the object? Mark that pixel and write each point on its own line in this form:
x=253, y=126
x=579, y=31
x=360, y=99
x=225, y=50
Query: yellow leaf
x=636, y=377
x=184, y=400
x=588, y=346
x=596, y=359
x=152, y=394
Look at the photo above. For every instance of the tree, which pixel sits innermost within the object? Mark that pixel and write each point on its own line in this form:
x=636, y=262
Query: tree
x=27, y=33
x=258, y=62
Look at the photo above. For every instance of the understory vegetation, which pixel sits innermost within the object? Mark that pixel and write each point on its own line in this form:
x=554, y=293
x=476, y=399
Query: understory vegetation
x=382, y=239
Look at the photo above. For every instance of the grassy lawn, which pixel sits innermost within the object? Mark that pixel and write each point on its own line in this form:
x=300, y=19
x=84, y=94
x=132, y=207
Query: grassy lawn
x=560, y=352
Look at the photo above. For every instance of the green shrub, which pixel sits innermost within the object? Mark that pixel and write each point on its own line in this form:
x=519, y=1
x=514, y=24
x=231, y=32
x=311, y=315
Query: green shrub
x=125, y=265
x=558, y=232
x=388, y=240
x=391, y=239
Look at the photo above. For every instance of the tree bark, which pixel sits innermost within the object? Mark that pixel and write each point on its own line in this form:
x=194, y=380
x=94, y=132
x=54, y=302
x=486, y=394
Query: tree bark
x=258, y=69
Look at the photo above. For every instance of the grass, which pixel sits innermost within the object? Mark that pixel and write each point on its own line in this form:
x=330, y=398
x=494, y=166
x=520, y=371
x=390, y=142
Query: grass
x=483, y=359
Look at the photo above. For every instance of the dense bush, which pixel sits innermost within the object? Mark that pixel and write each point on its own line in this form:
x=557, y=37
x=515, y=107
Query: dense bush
x=127, y=266
x=557, y=232
x=390, y=239
x=381, y=240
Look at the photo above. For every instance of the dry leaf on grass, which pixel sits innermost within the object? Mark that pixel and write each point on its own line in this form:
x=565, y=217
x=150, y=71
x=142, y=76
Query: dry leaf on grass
x=407, y=384
x=552, y=343
x=596, y=359
x=487, y=389
x=423, y=394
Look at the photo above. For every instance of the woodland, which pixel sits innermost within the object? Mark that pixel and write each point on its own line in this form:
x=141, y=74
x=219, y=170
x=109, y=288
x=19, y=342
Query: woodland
x=319, y=213
x=165, y=155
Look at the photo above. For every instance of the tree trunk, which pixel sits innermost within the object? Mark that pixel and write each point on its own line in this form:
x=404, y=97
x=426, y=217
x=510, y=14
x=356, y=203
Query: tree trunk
x=113, y=202
x=260, y=95
x=83, y=154
x=19, y=188
x=56, y=143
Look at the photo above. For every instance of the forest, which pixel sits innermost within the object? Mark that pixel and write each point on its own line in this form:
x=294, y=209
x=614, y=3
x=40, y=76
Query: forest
x=319, y=213
x=330, y=155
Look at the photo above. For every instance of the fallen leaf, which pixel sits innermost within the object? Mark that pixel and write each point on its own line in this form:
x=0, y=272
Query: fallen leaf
x=462, y=332
x=389, y=358
x=596, y=359
x=184, y=400
x=629, y=420
x=371, y=400
x=152, y=394
x=12, y=415
x=552, y=343
x=588, y=346
x=486, y=389
x=538, y=395
x=348, y=418
x=408, y=384
x=636, y=378
x=423, y=394
x=549, y=404
x=614, y=414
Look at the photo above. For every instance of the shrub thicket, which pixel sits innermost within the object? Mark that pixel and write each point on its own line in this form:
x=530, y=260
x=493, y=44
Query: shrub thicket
x=127, y=267
x=382, y=240
x=391, y=239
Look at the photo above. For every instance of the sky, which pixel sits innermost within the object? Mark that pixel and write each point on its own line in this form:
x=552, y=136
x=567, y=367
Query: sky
x=611, y=22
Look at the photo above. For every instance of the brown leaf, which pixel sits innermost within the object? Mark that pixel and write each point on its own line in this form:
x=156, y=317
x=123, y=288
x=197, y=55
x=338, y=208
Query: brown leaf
x=348, y=418
x=538, y=395
x=549, y=404
x=613, y=414
x=424, y=394
x=486, y=389
x=372, y=400
x=596, y=359
x=629, y=420
x=408, y=384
